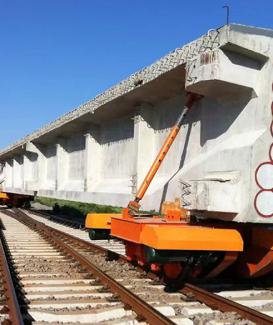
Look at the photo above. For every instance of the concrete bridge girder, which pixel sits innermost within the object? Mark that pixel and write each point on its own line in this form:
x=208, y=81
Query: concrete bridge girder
x=101, y=152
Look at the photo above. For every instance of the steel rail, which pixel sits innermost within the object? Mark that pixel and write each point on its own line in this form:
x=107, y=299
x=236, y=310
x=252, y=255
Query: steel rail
x=225, y=305
x=139, y=306
x=80, y=241
x=60, y=220
x=210, y=299
x=15, y=314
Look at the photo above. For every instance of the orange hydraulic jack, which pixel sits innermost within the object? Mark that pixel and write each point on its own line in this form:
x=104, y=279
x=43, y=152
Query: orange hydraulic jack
x=168, y=244
x=134, y=206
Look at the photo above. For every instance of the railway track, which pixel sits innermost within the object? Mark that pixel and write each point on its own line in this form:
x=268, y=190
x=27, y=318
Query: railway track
x=78, y=231
x=9, y=307
x=76, y=283
x=73, y=223
x=60, y=284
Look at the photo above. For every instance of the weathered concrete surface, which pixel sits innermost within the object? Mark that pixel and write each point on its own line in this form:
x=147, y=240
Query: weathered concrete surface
x=101, y=151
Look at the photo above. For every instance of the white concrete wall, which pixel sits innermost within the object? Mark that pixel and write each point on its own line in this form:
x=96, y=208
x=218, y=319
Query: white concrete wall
x=8, y=171
x=18, y=172
x=92, y=157
x=117, y=158
x=50, y=171
x=30, y=170
x=117, y=142
x=74, y=152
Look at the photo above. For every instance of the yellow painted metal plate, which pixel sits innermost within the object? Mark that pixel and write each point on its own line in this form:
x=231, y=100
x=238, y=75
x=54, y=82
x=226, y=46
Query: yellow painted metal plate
x=100, y=220
x=4, y=195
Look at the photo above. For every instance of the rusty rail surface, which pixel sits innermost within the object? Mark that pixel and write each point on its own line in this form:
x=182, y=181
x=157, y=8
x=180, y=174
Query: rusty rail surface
x=15, y=315
x=212, y=300
x=226, y=305
x=139, y=306
x=59, y=219
x=80, y=241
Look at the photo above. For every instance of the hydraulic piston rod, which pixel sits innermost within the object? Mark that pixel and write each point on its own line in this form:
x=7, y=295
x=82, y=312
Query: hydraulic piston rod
x=134, y=205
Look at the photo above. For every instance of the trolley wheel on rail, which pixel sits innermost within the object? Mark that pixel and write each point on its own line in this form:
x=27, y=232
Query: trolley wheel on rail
x=27, y=205
x=95, y=234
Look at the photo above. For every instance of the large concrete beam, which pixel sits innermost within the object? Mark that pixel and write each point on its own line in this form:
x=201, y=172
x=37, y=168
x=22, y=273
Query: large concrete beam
x=219, y=164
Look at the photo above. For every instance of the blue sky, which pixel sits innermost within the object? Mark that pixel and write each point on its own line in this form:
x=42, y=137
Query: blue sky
x=57, y=54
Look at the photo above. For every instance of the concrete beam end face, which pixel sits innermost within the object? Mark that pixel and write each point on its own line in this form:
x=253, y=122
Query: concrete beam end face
x=31, y=148
x=222, y=74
